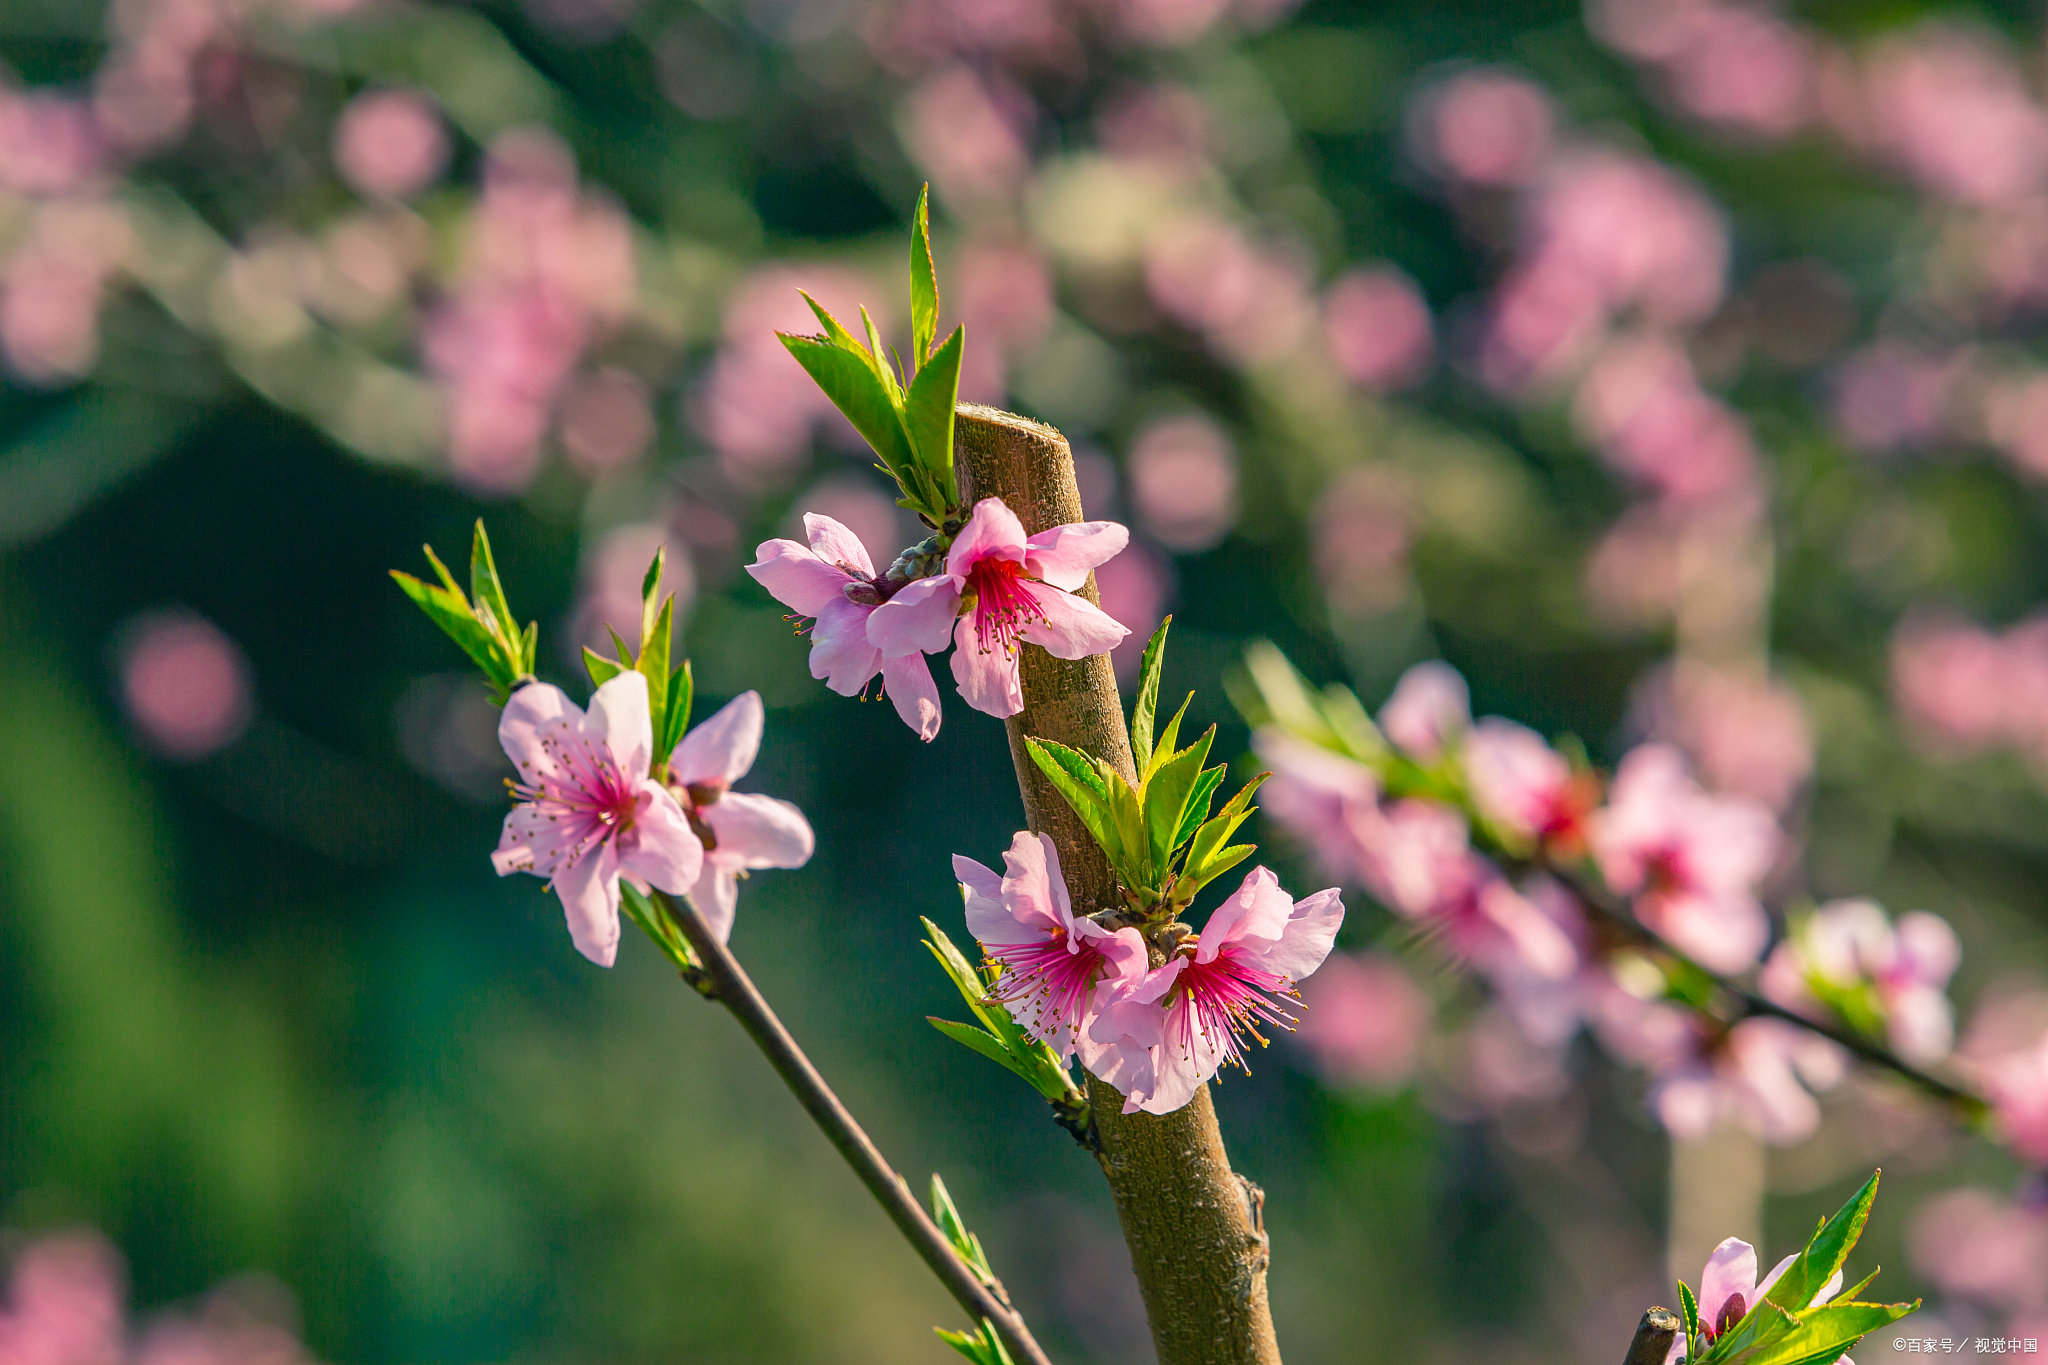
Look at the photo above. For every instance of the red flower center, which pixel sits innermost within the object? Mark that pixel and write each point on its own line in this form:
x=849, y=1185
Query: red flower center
x=1003, y=603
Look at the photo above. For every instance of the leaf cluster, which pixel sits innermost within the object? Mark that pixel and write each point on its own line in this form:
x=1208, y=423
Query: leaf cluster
x=669, y=694
x=482, y=623
x=1159, y=836
x=907, y=419
x=1001, y=1038
x=983, y=1347
x=1780, y=1329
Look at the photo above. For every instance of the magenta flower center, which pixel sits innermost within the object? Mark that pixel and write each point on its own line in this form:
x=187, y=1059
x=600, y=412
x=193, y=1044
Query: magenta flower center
x=587, y=796
x=1225, y=997
x=1046, y=984
x=1003, y=603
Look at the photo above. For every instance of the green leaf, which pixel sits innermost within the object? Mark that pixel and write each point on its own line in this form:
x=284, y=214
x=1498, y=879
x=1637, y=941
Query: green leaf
x=440, y=569
x=1822, y=1333
x=838, y=337
x=530, y=647
x=1198, y=805
x=1162, y=747
x=682, y=692
x=859, y=390
x=1209, y=839
x=982, y=1041
x=1005, y=1040
x=619, y=647
x=1689, y=1309
x=1075, y=777
x=1144, y=712
x=924, y=282
x=601, y=669
x=882, y=366
x=653, y=665
x=649, y=586
x=487, y=592
x=656, y=925
x=447, y=609
x=1215, y=865
x=1128, y=819
x=1165, y=796
x=1830, y=1247
x=983, y=1348
x=928, y=414
x=964, y=1242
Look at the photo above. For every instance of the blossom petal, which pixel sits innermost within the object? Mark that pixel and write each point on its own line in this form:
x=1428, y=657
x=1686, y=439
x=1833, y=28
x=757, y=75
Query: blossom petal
x=918, y=619
x=1033, y=886
x=987, y=679
x=759, y=831
x=795, y=577
x=533, y=842
x=834, y=543
x=716, y=896
x=589, y=889
x=661, y=848
x=1259, y=910
x=535, y=712
x=1063, y=555
x=1310, y=933
x=723, y=747
x=1072, y=627
x=988, y=916
x=993, y=532
x=1731, y=1270
x=910, y=689
x=619, y=717
x=840, y=652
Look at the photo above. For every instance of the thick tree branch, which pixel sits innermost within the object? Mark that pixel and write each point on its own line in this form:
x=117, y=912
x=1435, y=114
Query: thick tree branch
x=1654, y=1335
x=723, y=979
x=1192, y=1225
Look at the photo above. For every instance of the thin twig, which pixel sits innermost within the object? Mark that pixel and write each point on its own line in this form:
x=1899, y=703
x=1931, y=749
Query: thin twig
x=1611, y=912
x=724, y=980
x=1654, y=1335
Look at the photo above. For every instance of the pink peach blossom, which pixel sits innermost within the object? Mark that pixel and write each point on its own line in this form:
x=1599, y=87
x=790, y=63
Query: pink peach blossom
x=998, y=591
x=2017, y=1086
x=390, y=143
x=1744, y=69
x=63, y=1304
x=1378, y=327
x=1524, y=786
x=1053, y=962
x=1183, y=478
x=967, y=131
x=1365, y=1020
x=833, y=581
x=1953, y=110
x=1488, y=127
x=1851, y=945
x=184, y=684
x=1691, y=861
x=590, y=812
x=1322, y=799
x=1429, y=708
x=1761, y=1074
x=740, y=831
x=1159, y=1036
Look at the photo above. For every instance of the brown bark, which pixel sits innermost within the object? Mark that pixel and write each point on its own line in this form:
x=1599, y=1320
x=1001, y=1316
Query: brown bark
x=1194, y=1227
x=1653, y=1338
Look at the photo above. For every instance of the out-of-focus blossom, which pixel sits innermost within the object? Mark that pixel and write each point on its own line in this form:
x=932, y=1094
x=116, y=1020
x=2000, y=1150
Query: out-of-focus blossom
x=1023, y=591
x=609, y=592
x=1429, y=707
x=1849, y=957
x=184, y=684
x=50, y=288
x=1004, y=296
x=1761, y=1074
x=833, y=581
x=1525, y=787
x=1691, y=861
x=1632, y=578
x=1364, y=1020
x=50, y=143
x=1053, y=962
x=1964, y=689
x=390, y=144
x=584, y=21
x=1183, y=481
x=859, y=504
x=1953, y=111
x=1744, y=69
x=1378, y=327
x=2016, y=418
x=1747, y=732
x=1488, y=127
x=1643, y=409
x=1249, y=300
x=1976, y=1246
x=1163, y=124
x=1160, y=1036
x=967, y=131
x=741, y=832
x=63, y=1304
x=914, y=34
x=589, y=811
x=1364, y=524
x=607, y=420
x=1322, y=799
x=1135, y=587
x=2017, y=1086
x=1167, y=23
x=1892, y=397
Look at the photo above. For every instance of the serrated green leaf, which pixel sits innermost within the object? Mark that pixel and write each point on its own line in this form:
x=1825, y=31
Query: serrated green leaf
x=1689, y=1310
x=529, y=647
x=1823, y=1256
x=882, y=367
x=1165, y=796
x=928, y=416
x=653, y=665
x=1218, y=863
x=859, y=391
x=1212, y=834
x=840, y=339
x=1144, y=711
x=982, y=1041
x=650, y=586
x=623, y=651
x=656, y=925
x=964, y=1242
x=1822, y=1333
x=924, y=283
x=601, y=669
x=440, y=569
x=1198, y=805
x=1128, y=818
x=1162, y=747
x=682, y=693
x=973, y=989
x=487, y=592
x=1075, y=777
x=448, y=610
x=983, y=1348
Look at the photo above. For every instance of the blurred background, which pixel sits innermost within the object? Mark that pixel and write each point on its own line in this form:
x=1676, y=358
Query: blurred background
x=1670, y=367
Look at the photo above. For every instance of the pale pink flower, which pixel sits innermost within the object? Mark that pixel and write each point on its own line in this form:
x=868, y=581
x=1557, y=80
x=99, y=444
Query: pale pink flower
x=1977, y=1246
x=1250, y=301
x=1746, y=69
x=1729, y=1289
x=1488, y=127
x=184, y=684
x=1954, y=111
x=590, y=812
x=63, y=1304
x=1636, y=231
x=1430, y=707
x=2017, y=1086
x=50, y=143
x=1168, y=23
x=1525, y=787
x=967, y=132
x=1632, y=577
x=1951, y=680
x=1183, y=477
x=1159, y=1036
x=741, y=832
x=1364, y=524
x=1851, y=945
x=998, y=591
x=1643, y=409
x=49, y=314
x=1761, y=1074
x=1378, y=326
x=833, y=581
x=390, y=144
x=1322, y=799
x=1691, y=861
x=1052, y=961
x=1366, y=1020
x=1003, y=294
x=1165, y=124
